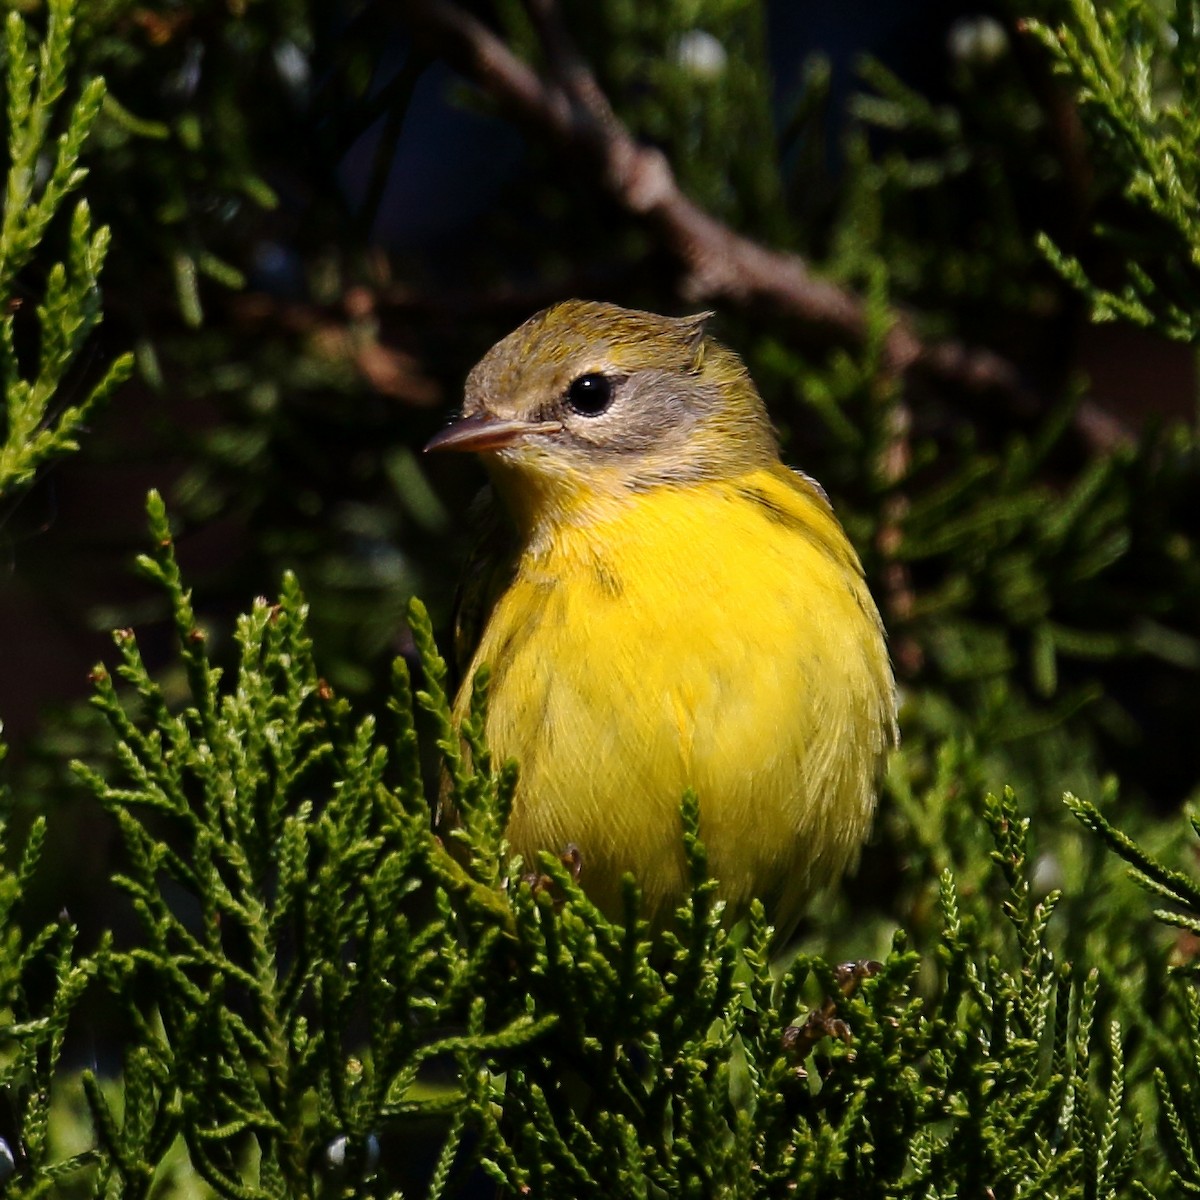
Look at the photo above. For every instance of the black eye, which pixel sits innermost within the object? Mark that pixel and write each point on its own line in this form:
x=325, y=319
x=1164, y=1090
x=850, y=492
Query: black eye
x=590, y=395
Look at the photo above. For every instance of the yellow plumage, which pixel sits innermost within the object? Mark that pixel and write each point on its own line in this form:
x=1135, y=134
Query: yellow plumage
x=681, y=610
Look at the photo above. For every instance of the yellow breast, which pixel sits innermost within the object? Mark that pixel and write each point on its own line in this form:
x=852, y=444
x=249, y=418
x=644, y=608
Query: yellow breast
x=717, y=636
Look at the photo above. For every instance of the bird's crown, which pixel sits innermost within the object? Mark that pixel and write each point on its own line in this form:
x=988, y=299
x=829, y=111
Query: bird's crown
x=584, y=384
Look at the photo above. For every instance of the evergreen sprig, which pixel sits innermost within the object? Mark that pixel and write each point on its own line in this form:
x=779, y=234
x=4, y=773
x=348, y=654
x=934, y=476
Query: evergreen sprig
x=1133, y=70
x=315, y=970
x=1177, y=1043
x=298, y=965
x=42, y=172
x=1164, y=882
x=685, y=1066
x=42, y=979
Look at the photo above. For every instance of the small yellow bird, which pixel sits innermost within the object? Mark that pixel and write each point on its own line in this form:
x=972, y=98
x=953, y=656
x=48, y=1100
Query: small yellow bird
x=678, y=610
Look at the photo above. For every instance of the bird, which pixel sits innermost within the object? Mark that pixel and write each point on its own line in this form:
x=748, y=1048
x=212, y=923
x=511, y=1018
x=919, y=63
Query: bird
x=664, y=605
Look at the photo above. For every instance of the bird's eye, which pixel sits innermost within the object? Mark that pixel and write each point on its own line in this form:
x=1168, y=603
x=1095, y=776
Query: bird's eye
x=590, y=395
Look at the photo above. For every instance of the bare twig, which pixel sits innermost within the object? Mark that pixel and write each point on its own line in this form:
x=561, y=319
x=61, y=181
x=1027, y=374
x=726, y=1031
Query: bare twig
x=717, y=264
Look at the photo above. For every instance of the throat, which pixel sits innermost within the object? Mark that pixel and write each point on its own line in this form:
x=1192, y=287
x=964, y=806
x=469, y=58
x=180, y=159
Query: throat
x=543, y=505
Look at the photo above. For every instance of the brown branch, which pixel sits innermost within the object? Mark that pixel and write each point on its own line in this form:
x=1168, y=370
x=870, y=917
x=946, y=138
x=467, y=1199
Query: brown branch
x=717, y=263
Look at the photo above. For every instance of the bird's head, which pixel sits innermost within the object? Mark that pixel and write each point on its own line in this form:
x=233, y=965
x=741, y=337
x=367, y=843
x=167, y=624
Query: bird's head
x=589, y=400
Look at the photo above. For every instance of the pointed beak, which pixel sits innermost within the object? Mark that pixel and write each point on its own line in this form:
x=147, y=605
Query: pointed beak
x=485, y=432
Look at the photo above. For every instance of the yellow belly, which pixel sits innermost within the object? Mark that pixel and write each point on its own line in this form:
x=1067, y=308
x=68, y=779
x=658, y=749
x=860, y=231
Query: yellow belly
x=718, y=637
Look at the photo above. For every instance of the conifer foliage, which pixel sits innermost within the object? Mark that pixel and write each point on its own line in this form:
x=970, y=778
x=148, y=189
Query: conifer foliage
x=304, y=988
x=314, y=973
x=43, y=171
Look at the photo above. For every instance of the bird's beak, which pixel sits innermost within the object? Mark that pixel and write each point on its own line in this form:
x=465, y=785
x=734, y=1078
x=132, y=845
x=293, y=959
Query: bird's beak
x=485, y=432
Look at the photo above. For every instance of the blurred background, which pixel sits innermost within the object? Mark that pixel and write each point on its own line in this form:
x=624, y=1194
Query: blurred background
x=323, y=215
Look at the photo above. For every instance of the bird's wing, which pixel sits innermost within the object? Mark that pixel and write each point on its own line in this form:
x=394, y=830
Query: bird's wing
x=794, y=497
x=490, y=568
x=799, y=502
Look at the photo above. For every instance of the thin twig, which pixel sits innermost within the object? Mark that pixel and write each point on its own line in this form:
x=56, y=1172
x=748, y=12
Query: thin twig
x=717, y=264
